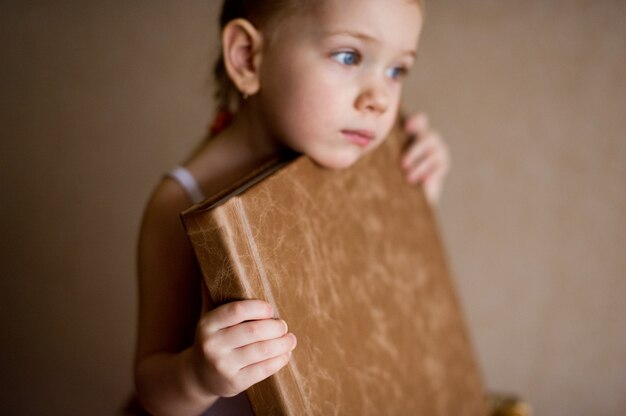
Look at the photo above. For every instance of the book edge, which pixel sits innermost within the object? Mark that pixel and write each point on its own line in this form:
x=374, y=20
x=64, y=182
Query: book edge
x=232, y=215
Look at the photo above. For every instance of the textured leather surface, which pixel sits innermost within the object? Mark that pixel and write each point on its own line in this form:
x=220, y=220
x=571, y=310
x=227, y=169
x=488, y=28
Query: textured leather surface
x=353, y=262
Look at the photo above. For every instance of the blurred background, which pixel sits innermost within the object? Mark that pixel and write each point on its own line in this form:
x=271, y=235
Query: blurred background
x=100, y=98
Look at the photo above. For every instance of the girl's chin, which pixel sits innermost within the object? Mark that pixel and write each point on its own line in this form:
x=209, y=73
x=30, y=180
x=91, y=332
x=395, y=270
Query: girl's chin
x=337, y=162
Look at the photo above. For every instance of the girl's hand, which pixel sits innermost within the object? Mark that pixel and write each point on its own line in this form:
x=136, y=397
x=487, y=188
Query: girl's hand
x=237, y=345
x=427, y=159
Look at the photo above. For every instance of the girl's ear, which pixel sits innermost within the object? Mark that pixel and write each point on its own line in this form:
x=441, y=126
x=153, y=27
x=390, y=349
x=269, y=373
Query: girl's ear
x=242, y=46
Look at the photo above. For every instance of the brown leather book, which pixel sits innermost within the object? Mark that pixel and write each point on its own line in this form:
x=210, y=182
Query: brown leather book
x=353, y=262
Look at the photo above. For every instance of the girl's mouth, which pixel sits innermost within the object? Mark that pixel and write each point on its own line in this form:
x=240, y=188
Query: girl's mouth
x=359, y=137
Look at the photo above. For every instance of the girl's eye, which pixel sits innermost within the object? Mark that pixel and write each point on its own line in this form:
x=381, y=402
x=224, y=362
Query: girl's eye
x=347, y=58
x=397, y=72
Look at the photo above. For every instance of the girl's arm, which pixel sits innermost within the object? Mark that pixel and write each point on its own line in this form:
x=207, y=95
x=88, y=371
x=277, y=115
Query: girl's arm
x=427, y=160
x=169, y=307
x=187, y=355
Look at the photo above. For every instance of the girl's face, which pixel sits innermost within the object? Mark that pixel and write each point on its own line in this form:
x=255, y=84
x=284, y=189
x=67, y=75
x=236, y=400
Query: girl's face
x=331, y=79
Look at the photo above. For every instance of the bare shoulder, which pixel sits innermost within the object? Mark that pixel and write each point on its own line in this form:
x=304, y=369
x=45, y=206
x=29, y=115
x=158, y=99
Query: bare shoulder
x=162, y=240
x=165, y=204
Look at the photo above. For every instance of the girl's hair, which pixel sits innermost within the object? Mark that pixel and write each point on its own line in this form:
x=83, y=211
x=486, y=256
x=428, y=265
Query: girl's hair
x=260, y=13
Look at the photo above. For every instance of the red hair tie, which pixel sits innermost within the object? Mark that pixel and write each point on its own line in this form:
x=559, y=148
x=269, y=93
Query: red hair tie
x=222, y=119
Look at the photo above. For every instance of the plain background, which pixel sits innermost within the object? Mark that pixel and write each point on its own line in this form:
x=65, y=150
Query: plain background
x=100, y=98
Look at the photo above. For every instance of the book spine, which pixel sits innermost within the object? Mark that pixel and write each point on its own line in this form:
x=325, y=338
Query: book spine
x=229, y=266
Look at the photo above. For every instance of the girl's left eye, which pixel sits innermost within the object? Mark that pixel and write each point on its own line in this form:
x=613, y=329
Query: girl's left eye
x=347, y=58
x=397, y=72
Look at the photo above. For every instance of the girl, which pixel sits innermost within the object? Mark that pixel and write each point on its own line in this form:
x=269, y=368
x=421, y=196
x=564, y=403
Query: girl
x=321, y=77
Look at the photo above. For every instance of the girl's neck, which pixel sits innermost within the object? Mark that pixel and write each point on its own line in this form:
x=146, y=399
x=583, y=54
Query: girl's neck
x=240, y=148
x=249, y=132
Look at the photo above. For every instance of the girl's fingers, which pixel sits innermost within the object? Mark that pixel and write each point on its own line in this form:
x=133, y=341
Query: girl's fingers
x=253, y=331
x=233, y=313
x=264, y=350
x=416, y=124
x=427, y=160
x=262, y=370
x=430, y=147
x=423, y=170
x=432, y=189
x=418, y=151
x=423, y=147
x=432, y=176
x=435, y=162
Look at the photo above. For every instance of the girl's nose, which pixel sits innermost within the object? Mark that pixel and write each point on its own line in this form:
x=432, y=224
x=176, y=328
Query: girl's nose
x=374, y=98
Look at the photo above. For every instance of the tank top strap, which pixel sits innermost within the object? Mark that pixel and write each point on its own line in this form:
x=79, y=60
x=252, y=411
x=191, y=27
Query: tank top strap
x=188, y=183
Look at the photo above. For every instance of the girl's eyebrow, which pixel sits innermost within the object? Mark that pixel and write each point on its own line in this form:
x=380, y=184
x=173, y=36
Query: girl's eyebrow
x=352, y=33
x=365, y=37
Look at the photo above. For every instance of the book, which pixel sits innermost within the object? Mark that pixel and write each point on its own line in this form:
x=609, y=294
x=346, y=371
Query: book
x=353, y=262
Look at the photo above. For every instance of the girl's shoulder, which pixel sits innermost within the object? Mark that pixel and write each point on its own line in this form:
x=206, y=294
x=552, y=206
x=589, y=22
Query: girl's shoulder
x=161, y=218
x=168, y=196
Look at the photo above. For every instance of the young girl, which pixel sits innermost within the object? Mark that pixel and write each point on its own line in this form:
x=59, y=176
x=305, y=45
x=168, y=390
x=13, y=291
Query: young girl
x=321, y=77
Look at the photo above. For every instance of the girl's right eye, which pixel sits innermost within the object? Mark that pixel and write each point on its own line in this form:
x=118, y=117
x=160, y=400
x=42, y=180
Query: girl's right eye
x=349, y=58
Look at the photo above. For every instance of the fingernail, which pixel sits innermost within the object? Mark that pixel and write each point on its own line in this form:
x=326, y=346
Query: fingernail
x=295, y=342
x=286, y=326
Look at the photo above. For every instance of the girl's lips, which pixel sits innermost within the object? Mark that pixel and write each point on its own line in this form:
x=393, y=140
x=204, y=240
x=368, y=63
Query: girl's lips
x=359, y=137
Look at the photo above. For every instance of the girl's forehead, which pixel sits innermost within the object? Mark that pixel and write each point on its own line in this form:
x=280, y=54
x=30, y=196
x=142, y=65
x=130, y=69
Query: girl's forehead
x=367, y=12
x=395, y=21
x=355, y=8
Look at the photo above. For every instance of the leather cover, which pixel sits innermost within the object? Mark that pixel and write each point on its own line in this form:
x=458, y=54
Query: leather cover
x=353, y=262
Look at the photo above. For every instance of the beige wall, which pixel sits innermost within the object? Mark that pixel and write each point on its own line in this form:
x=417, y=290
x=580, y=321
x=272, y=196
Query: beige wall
x=99, y=98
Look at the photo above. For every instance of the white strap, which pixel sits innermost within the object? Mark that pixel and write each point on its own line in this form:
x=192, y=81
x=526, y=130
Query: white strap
x=188, y=182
